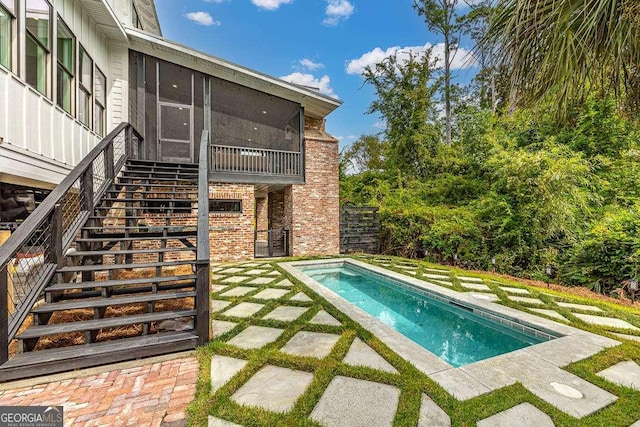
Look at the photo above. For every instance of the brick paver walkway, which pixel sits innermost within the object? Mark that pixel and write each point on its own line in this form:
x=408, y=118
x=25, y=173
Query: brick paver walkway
x=155, y=394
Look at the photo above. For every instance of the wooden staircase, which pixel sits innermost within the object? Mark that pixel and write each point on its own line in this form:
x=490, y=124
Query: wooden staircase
x=127, y=288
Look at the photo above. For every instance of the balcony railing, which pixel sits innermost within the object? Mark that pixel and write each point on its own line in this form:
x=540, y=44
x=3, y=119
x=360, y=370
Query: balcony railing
x=253, y=163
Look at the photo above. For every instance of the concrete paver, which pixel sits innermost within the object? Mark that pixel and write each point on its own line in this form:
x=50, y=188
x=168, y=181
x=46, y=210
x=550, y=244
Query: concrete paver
x=218, y=288
x=244, y=309
x=431, y=415
x=262, y=280
x=574, y=306
x=354, y=402
x=232, y=270
x=220, y=327
x=273, y=388
x=238, y=291
x=485, y=296
x=218, y=422
x=234, y=279
x=223, y=368
x=360, y=354
x=324, y=318
x=286, y=313
x=271, y=293
x=549, y=313
x=286, y=283
x=301, y=296
x=606, y=321
x=255, y=272
x=460, y=384
x=218, y=305
x=469, y=279
x=476, y=286
x=310, y=344
x=255, y=337
x=527, y=300
x=522, y=415
x=626, y=374
x=628, y=337
x=437, y=276
x=519, y=291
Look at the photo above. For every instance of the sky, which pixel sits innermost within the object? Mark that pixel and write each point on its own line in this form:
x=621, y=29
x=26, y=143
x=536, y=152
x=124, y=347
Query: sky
x=320, y=43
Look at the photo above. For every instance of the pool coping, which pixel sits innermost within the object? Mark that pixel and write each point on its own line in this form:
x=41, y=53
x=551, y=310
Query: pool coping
x=480, y=377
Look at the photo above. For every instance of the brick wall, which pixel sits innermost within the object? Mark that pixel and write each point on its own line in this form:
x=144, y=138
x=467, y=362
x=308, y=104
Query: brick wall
x=231, y=234
x=262, y=213
x=315, y=205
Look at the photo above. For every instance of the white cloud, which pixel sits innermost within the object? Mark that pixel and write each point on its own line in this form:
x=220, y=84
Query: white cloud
x=220, y=1
x=202, y=18
x=310, y=65
x=462, y=59
x=270, y=4
x=337, y=10
x=380, y=125
x=352, y=137
x=323, y=84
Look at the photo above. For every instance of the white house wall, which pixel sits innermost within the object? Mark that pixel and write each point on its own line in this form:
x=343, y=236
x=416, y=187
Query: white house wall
x=41, y=141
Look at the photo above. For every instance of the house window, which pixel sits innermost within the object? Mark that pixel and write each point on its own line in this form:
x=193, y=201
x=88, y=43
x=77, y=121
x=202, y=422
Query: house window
x=38, y=44
x=137, y=23
x=84, y=84
x=7, y=16
x=100, y=102
x=225, y=206
x=66, y=43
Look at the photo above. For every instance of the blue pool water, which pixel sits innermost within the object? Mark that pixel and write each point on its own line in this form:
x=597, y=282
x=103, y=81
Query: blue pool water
x=456, y=335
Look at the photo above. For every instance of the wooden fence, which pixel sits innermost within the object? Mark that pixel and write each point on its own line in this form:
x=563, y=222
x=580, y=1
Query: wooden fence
x=359, y=229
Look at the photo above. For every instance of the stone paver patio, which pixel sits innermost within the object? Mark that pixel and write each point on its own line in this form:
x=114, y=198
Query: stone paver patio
x=308, y=343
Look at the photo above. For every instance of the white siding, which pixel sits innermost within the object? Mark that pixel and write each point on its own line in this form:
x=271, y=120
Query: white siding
x=37, y=134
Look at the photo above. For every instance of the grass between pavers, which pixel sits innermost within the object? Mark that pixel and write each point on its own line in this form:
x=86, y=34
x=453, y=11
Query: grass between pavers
x=411, y=382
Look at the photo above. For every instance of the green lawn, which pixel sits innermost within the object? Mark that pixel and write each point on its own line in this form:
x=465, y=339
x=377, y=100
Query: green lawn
x=411, y=382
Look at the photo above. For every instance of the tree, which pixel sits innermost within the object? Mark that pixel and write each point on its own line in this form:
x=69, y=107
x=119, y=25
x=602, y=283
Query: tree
x=476, y=24
x=405, y=89
x=367, y=153
x=441, y=17
x=568, y=48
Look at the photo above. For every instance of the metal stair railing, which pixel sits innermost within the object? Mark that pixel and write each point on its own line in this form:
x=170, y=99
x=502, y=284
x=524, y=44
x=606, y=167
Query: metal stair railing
x=33, y=253
x=202, y=251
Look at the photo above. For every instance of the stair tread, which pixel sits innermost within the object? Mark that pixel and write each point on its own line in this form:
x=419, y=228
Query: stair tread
x=138, y=227
x=95, y=324
x=36, y=358
x=118, y=282
x=138, y=236
x=99, y=267
x=149, y=199
x=110, y=301
x=130, y=251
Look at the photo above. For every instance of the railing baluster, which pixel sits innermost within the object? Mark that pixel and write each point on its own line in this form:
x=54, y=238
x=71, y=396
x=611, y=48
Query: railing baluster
x=55, y=255
x=4, y=314
x=109, y=162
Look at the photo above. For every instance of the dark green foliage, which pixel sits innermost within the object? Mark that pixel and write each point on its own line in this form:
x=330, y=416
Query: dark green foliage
x=521, y=189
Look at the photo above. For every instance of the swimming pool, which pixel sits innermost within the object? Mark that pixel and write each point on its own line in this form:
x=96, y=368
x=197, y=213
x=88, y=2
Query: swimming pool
x=454, y=332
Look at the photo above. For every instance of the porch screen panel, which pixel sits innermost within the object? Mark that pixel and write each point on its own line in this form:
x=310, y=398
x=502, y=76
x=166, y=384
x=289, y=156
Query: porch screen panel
x=150, y=107
x=244, y=117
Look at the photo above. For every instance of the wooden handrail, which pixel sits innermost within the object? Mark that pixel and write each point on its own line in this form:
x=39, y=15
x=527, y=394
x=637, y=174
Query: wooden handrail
x=23, y=232
x=49, y=217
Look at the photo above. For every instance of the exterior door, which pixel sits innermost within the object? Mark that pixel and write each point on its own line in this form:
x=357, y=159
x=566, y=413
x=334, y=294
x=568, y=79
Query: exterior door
x=175, y=136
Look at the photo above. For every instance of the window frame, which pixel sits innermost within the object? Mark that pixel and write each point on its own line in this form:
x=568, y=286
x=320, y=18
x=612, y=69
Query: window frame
x=237, y=211
x=47, y=49
x=83, y=90
x=11, y=46
x=100, y=130
x=62, y=68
